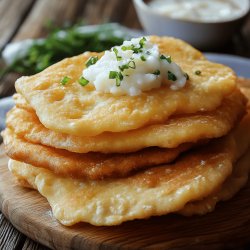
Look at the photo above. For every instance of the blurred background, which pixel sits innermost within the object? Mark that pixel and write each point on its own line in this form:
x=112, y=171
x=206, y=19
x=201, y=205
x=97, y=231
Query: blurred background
x=25, y=19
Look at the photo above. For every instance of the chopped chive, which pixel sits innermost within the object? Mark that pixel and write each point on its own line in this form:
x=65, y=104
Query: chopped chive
x=186, y=75
x=65, y=80
x=130, y=64
x=142, y=42
x=117, y=76
x=157, y=72
x=83, y=81
x=168, y=58
x=118, y=58
x=143, y=58
x=92, y=60
x=112, y=74
x=119, y=79
x=132, y=47
x=171, y=76
x=127, y=48
x=123, y=67
x=136, y=50
x=197, y=72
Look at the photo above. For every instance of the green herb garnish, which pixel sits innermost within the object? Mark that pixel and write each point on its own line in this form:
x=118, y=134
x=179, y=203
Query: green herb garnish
x=117, y=76
x=142, y=42
x=91, y=61
x=197, y=72
x=135, y=49
x=65, y=42
x=157, y=72
x=65, y=80
x=143, y=58
x=83, y=81
x=168, y=58
x=118, y=58
x=171, y=76
x=130, y=64
x=124, y=48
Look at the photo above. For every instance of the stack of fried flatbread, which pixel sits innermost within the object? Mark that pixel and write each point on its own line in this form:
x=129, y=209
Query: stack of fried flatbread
x=105, y=159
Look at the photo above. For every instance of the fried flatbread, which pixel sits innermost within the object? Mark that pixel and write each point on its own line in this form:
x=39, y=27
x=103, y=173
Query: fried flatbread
x=243, y=82
x=246, y=92
x=21, y=102
x=175, y=131
x=233, y=183
x=82, y=111
x=90, y=165
x=227, y=190
x=155, y=191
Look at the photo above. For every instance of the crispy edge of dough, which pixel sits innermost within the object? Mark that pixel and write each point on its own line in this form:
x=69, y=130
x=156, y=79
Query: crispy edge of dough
x=90, y=165
x=70, y=112
x=177, y=130
x=232, y=185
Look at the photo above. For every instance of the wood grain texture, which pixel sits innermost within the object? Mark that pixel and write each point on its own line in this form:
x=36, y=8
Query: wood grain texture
x=57, y=12
x=227, y=227
x=9, y=237
x=12, y=13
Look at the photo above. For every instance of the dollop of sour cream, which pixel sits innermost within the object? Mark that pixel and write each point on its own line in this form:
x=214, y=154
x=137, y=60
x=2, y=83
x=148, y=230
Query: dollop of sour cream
x=132, y=68
x=197, y=10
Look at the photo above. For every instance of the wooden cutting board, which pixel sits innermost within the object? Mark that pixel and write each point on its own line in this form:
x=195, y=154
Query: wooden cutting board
x=227, y=227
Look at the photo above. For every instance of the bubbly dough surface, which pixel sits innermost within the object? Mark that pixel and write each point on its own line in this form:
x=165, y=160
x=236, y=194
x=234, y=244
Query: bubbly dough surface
x=82, y=111
x=175, y=131
x=155, y=191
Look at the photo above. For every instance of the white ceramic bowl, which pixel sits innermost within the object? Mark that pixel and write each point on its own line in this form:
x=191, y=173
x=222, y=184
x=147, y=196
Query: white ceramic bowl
x=203, y=35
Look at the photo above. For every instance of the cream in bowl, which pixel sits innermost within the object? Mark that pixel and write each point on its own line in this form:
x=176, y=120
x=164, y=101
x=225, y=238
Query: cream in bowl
x=199, y=11
x=204, y=24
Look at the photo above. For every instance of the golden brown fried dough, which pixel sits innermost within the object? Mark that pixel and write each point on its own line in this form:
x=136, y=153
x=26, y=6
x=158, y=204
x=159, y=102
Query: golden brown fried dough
x=82, y=111
x=175, y=131
x=21, y=102
x=227, y=190
x=91, y=165
x=155, y=191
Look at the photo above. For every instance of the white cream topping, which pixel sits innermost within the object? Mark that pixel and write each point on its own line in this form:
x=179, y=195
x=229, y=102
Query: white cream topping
x=136, y=66
x=197, y=10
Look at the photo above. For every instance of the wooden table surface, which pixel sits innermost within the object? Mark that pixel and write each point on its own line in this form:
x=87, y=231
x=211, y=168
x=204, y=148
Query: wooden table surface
x=21, y=19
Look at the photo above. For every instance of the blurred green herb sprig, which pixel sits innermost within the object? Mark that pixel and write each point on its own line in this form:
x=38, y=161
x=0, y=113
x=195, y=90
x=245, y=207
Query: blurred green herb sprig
x=63, y=43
